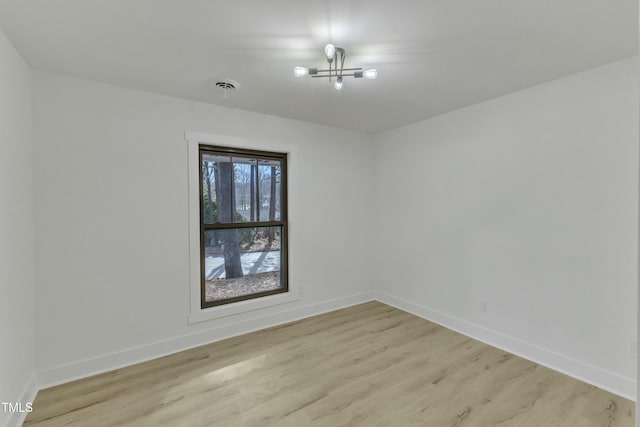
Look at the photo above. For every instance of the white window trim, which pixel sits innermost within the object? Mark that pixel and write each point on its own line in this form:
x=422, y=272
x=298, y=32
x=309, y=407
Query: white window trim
x=196, y=313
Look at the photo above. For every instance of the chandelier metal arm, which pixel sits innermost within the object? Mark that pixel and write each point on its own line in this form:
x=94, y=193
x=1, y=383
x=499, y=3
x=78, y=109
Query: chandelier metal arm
x=344, y=69
x=334, y=75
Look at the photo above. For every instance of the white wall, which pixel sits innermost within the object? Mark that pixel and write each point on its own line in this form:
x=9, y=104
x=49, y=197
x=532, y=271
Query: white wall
x=112, y=223
x=529, y=201
x=17, y=344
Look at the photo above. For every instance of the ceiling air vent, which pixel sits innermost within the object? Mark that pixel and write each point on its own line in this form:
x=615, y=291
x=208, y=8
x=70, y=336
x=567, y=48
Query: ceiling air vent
x=227, y=85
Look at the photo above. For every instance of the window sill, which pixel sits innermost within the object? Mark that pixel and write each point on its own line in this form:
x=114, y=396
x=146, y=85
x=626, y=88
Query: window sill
x=202, y=315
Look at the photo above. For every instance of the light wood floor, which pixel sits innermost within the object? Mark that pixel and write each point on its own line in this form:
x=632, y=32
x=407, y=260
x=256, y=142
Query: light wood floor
x=368, y=365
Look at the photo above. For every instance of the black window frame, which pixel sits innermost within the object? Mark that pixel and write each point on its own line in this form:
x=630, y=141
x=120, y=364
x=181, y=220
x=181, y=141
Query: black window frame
x=282, y=222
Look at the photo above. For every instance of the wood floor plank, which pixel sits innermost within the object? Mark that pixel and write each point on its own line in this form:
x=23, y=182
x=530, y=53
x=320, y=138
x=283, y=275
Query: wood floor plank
x=367, y=365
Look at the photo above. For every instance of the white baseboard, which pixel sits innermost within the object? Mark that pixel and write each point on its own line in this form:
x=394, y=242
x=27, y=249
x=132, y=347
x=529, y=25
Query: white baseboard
x=89, y=367
x=27, y=395
x=604, y=379
x=617, y=384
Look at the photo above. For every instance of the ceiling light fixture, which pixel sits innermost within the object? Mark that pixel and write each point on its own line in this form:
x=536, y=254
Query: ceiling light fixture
x=334, y=71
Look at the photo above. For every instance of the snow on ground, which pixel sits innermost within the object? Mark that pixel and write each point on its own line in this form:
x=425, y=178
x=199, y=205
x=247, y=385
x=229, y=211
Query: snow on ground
x=252, y=263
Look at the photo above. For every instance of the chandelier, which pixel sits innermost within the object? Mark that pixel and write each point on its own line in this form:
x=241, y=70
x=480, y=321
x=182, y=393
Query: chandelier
x=335, y=58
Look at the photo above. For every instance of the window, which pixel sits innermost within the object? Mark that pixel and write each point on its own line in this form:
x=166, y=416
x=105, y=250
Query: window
x=243, y=224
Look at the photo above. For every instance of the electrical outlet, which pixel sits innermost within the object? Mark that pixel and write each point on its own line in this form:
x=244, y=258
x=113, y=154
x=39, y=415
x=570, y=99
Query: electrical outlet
x=633, y=350
x=483, y=305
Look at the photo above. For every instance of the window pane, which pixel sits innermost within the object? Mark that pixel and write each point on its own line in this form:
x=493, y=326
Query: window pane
x=217, y=173
x=240, y=189
x=245, y=188
x=241, y=262
x=269, y=184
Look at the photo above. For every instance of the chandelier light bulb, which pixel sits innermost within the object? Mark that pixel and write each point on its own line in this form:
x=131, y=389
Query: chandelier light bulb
x=370, y=74
x=330, y=51
x=338, y=83
x=300, y=71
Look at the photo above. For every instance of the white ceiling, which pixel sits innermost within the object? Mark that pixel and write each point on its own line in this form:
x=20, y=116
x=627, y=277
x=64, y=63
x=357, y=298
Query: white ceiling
x=432, y=56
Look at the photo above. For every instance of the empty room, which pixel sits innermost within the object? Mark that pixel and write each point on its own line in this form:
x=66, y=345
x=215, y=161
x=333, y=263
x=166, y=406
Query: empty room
x=319, y=213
